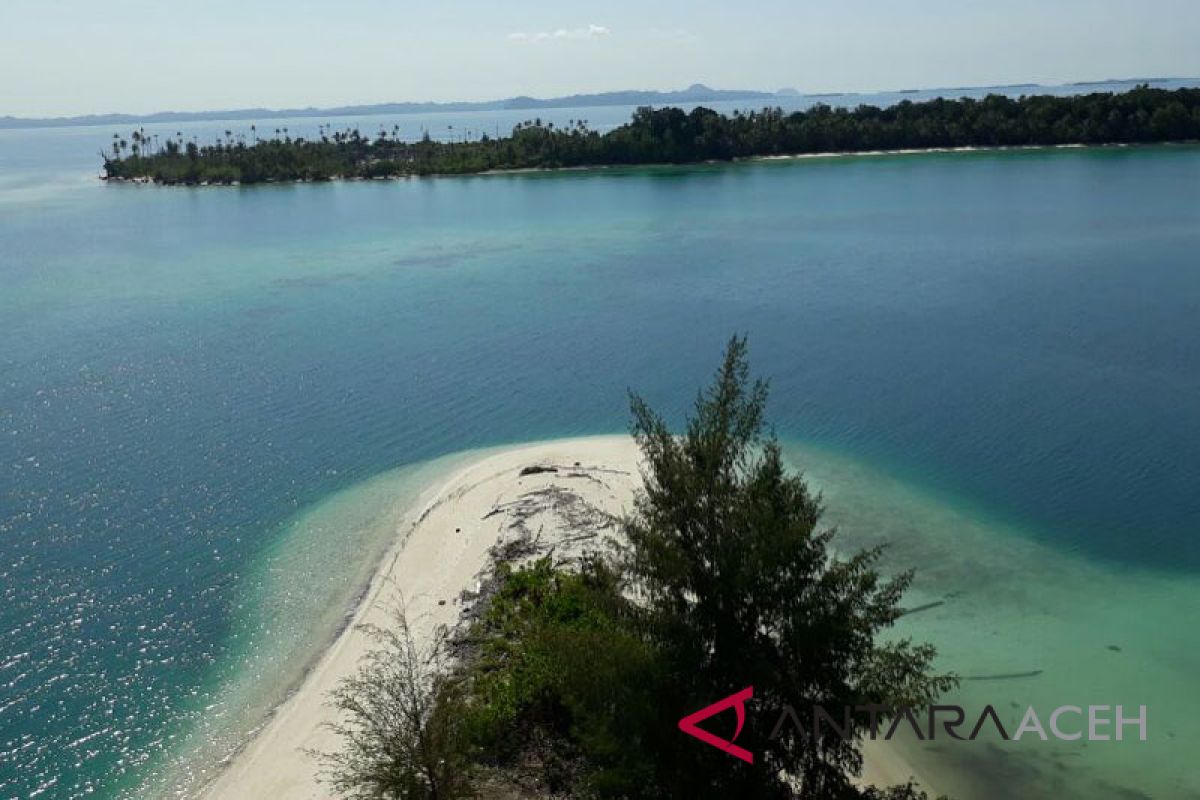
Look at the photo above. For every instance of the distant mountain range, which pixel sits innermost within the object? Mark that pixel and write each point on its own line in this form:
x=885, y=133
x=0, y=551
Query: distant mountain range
x=696, y=93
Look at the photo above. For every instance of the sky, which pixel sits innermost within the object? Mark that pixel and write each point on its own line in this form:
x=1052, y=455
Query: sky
x=67, y=57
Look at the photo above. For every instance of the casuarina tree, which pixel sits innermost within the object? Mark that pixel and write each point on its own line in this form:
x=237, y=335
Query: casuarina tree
x=741, y=586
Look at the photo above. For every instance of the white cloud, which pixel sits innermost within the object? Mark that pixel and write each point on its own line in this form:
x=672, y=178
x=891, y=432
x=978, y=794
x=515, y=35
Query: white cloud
x=562, y=34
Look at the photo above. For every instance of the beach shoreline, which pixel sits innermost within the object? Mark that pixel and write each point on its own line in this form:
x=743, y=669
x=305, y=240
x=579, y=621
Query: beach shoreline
x=432, y=570
x=590, y=168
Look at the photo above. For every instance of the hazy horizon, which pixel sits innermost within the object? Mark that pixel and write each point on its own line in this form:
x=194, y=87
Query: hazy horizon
x=135, y=57
x=629, y=89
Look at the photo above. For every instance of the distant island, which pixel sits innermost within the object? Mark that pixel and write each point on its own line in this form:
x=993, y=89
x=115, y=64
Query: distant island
x=696, y=93
x=672, y=136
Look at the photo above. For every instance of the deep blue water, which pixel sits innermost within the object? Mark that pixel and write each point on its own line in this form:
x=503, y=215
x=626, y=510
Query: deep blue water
x=184, y=370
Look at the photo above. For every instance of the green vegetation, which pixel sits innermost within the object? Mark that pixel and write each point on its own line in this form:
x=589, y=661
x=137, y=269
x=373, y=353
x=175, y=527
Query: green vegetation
x=671, y=136
x=571, y=682
x=565, y=689
x=400, y=724
x=742, y=589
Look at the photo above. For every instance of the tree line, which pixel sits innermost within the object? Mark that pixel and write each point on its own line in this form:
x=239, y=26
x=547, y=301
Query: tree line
x=668, y=136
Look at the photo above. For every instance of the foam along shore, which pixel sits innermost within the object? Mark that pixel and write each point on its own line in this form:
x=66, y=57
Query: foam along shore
x=440, y=554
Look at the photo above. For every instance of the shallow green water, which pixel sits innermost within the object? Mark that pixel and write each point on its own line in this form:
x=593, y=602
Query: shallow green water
x=1026, y=624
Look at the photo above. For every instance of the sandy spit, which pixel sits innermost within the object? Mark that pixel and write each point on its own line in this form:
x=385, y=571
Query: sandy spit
x=440, y=555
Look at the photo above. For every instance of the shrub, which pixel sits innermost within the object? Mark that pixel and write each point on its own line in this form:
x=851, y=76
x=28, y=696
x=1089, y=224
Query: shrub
x=400, y=723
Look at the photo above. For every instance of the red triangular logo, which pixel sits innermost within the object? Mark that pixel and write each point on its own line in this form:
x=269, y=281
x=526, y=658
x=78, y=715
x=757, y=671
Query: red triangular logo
x=736, y=701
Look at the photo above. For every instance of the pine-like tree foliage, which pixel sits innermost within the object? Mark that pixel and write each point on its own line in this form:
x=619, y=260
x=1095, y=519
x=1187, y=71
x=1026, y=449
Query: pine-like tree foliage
x=742, y=587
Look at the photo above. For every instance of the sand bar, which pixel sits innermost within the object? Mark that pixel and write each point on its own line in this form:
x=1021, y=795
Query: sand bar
x=442, y=549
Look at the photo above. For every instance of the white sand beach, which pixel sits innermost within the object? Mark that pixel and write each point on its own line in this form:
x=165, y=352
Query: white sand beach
x=438, y=558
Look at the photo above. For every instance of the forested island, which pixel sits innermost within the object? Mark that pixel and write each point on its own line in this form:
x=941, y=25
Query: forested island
x=668, y=136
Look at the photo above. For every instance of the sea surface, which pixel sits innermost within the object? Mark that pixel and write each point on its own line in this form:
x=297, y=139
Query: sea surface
x=214, y=403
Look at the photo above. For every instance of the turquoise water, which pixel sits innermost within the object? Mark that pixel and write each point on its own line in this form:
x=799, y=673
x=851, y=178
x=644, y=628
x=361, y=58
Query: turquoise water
x=214, y=401
x=1026, y=624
